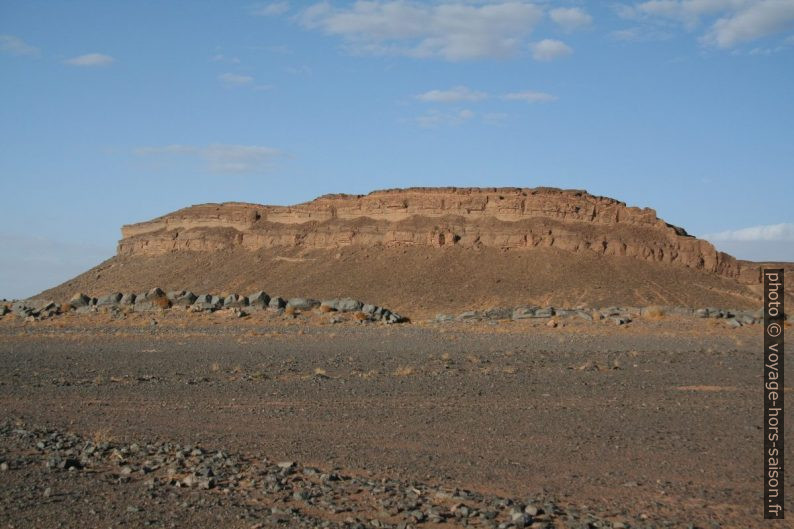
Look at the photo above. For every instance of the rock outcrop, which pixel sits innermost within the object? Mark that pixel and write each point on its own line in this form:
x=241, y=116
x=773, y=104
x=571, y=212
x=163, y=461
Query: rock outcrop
x=506, y=218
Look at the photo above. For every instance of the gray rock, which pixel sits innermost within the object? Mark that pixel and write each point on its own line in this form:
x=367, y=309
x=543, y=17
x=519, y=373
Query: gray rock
x=303, y=303
x=79, y=300
x=155, y=293
x=343, y=305
x=276, y=303
x=521, y=313
x=127, y=299
x=584, y=315
x=702, y=313
x=48, y=310
x=110, y=299
x=185, y=300
x=521, y=519
x=153, y=300
x=259, y=300
x=369, y=309
x=204, y=302
x=217, y=301
x=328, y=304
x=746, y=319
x=174, y=295
x=733, y=322
x=393, y=317
x=620, y=320
x=715, y=312
x=469, y=315
x=498, y=313
x=23, y=309
x=546, y=312
x=235, y=302
x=532, y=510
x=441, y=318
x=349, y=305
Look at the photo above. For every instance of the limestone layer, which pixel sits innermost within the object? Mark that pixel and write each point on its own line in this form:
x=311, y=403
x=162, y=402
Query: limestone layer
x=509, y=218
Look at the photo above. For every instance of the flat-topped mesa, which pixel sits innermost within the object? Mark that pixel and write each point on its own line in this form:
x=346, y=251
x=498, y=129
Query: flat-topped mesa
x=510, y=218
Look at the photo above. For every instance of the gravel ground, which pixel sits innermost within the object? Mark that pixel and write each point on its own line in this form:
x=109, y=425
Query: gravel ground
x=653, y=424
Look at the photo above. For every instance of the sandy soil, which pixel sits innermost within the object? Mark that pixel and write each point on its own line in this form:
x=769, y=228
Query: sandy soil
x=655, y=424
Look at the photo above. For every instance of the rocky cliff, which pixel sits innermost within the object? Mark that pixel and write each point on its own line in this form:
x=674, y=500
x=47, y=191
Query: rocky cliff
x=502, y=218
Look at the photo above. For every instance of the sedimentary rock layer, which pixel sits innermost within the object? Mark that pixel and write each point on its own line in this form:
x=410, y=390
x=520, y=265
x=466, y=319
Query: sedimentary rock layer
x=506, y=218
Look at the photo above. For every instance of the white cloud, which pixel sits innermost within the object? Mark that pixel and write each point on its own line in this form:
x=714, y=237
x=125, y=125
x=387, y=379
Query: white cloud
x=221, y=158
x=570, y=18
x=436, y=118
x=271, y=9
x=730, y=22
x=530, y=97
x=219, y=57
x=771, y=232
x=233, y=79
x=453, y=31
x=550, y=49
x=756, y=21
x=90, y=60
x=453, y=95
x=15, y=46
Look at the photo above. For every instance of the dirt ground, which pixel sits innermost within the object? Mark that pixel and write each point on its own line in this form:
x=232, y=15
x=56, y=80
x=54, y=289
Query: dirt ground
x=653, y=424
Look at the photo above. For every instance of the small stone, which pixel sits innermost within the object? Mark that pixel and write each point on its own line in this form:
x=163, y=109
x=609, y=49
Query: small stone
x=531, y=510
x=521, y=519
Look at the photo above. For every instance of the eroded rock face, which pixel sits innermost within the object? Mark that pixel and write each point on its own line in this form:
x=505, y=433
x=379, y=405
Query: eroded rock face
x=511, y=218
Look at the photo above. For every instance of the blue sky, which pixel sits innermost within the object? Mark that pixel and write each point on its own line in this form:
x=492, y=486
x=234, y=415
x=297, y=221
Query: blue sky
x=115, y=112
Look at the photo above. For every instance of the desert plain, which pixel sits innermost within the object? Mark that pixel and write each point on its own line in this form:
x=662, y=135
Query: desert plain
x=650, y=424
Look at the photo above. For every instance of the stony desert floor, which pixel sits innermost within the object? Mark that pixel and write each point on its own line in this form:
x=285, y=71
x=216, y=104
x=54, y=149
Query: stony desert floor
x=206, y=420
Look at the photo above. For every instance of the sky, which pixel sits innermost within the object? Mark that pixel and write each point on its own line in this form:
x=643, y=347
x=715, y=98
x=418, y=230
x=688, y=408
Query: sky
x=114, y=112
